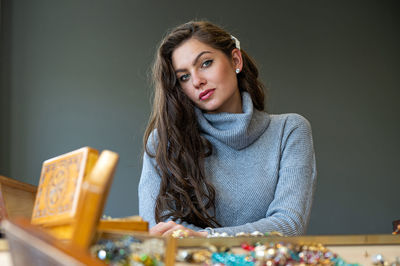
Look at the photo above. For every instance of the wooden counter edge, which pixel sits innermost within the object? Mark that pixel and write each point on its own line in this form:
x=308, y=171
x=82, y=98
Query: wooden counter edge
x=327, y=240
x=17, y=184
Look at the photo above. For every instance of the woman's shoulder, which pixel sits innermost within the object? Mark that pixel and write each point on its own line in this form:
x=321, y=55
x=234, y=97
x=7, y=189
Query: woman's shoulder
x=152, y=142
x=290, y=120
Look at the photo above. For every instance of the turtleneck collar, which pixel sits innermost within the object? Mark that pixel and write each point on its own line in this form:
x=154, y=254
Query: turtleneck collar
x=235, y=130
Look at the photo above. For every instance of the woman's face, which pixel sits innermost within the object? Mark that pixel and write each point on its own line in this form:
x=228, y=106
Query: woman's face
x=207, y=76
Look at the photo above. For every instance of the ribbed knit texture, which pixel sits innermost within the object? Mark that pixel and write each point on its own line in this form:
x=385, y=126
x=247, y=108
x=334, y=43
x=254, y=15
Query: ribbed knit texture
x=262, y=167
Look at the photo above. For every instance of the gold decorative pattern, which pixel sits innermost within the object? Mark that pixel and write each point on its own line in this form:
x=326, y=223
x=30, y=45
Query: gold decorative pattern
x=60, y=185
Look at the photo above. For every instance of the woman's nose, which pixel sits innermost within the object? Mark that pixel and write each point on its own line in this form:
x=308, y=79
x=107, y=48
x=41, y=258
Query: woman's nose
x=198, y=80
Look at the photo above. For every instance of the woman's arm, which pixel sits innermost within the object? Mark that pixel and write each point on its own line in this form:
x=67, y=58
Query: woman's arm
x=149, y=186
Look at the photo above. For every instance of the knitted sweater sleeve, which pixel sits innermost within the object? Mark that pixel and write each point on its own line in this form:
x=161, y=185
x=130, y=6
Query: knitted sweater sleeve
x=149, y=186
x=290, y=209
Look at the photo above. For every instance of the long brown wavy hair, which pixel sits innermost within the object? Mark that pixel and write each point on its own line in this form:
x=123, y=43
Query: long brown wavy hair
x=179, y=150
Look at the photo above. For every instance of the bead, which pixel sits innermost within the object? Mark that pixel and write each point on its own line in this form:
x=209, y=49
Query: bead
x=260, y=252
x=201, y=256
x=224, y=234
x=182, y=255
x=257, y=233
x=102, y=254
x=270, y=253
x=241, y=234
x=212, y=248
x=248, y=247
x=269, y=263
x=378, y=259
x=283, y=250
x=180, y=233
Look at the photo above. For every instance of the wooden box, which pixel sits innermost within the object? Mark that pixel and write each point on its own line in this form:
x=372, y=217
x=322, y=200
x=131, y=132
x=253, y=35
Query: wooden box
x=60, y=189
x=60, y=185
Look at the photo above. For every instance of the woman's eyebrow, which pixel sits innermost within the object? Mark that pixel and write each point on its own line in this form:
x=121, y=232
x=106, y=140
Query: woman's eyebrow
x=194, y=61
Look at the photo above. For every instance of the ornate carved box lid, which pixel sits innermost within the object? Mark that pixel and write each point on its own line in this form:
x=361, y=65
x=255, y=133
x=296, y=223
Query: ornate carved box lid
x=60, y=185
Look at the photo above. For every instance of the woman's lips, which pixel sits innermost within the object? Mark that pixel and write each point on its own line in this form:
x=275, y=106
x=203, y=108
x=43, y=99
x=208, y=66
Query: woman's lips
x=206, y=94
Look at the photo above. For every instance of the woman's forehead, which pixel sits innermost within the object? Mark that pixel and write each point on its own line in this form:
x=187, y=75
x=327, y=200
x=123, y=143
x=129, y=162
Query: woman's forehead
x=184, y=55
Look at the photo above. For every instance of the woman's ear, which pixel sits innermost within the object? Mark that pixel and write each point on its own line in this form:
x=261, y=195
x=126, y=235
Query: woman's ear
x=237, y=59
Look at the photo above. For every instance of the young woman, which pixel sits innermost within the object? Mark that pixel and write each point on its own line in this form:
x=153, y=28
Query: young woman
x=214, y=160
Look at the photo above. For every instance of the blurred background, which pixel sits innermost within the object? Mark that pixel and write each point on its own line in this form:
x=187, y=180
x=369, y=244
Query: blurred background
x=76, y=73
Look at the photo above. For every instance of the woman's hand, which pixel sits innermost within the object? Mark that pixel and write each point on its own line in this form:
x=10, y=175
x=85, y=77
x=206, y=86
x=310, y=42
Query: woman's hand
x=168, y=228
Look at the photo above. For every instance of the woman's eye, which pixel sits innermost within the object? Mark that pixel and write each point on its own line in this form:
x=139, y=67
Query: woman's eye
x=207, y=63
x=184, y=78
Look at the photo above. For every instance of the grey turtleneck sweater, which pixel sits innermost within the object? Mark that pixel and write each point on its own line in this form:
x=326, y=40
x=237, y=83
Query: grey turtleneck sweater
x=262, y=167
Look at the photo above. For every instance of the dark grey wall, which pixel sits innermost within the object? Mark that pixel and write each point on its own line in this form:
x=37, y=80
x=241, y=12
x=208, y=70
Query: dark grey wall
x=4, y=90
x=76, y=75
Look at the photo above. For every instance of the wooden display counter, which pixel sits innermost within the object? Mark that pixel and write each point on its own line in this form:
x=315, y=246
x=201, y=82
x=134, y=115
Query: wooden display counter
x=65, y=225
x=360, y=249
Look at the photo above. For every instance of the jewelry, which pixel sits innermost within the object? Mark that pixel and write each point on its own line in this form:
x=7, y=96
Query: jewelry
x=129, y=251
x=202, y=255
x=216, y=234
x=269, y=253
x=180, y=233
x=233, y=259
x=106, y=217
x=194, y=256
x=237, y=71
x=210, y=231
x=279, y=254
x=241, y=234
x=380, y=260
x=237, y=43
